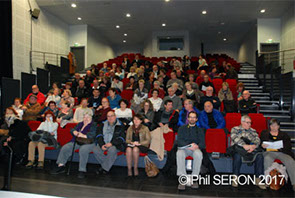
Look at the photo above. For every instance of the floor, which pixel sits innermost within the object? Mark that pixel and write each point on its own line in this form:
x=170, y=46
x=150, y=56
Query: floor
x=116, y=183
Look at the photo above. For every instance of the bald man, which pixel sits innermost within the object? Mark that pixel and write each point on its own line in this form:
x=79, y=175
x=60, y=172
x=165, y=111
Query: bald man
x=211, y=118
x=247, y=104
x=209, y=97
x=35, y=91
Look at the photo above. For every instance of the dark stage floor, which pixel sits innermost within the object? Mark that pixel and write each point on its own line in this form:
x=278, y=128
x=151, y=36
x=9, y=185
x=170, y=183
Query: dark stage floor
x=117, y=184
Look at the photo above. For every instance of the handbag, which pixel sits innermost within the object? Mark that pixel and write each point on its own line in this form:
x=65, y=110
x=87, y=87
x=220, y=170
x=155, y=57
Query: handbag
x=150, y=167
x=81, y=141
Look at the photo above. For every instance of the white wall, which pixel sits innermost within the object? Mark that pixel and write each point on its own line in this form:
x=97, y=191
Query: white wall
x=126, y=48
x=148, y=46
x=98, y=48
x=248, y=47
x=288, y=37
x=228, y=49
x=268, y=29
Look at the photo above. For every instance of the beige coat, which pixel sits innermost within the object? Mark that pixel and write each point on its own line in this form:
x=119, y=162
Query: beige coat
x=144, y=136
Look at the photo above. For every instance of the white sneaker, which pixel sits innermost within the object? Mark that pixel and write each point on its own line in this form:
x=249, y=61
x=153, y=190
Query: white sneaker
x=235, y=182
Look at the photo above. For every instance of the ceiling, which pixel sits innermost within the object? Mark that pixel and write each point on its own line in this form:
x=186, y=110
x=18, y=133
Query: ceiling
x=148, y=15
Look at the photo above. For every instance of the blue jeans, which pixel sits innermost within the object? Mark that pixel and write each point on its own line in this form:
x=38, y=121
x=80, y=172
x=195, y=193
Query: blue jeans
x=258, y=164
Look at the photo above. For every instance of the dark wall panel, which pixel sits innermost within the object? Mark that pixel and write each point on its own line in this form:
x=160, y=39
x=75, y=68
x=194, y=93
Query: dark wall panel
x=43, y=80
x=27, y=81
x=10, y=90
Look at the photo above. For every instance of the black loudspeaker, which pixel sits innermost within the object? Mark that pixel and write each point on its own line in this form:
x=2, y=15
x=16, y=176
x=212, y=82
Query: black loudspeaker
x=10, y=90
x=27, y=81
x=35, y=13
x=43, y=80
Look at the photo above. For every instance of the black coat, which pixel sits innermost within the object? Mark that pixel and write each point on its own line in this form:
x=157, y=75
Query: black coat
x=173, y=120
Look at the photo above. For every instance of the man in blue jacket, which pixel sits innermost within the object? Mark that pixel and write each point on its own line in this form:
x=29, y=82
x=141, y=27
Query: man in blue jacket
x=183, y=114
x=211, y=118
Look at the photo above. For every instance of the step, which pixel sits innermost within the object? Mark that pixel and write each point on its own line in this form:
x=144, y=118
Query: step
x=253, y=88
x=252, y=69
x=251, y=84
x=275, y=111
x=291, y=124
x=248, y=76
x=260, y=97
x=279, y=117
x=288, y=130
x=247, y=80
x=256, y=91
x=268, y=102
x=267, y=107
x=248, y=72
x=259, y=94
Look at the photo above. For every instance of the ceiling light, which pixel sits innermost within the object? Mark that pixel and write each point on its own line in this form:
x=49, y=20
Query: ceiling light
x=79, y=18
x=73, y=5
x=163, y=24
x=124, y=41
x=222, y=23
x=117, y=26
x=125, y=34
x=262, y=11
x=128, y=15
x=219, y=32
x=224, y=39
x=167, y=0
x=204, y=12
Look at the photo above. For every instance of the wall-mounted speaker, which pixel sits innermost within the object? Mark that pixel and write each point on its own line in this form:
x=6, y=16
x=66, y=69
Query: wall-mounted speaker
x=35, y=13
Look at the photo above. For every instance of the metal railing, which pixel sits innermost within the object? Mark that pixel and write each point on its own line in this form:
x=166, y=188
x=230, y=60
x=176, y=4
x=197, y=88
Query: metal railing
x=274, y=71
x=39, y=59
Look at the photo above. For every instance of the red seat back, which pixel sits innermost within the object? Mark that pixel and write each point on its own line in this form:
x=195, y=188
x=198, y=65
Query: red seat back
x=258, y=122
x=215, y=140
x=125, y=81
x=34, y=125
x=63, y=136
x=169, y=140
x=127, y=94
x=217, y=83
x=232, y=120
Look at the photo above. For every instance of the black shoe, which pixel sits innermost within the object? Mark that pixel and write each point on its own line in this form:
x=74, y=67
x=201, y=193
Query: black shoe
x=101, y=171
x=5, y=187
x=81, y=175
x=58, y=170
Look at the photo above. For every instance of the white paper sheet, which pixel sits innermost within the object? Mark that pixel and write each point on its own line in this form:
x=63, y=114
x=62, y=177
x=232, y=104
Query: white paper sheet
x=274, y=145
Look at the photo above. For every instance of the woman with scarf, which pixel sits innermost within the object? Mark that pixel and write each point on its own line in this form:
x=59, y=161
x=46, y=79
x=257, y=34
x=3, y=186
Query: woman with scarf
x=138, y=139
x=83, y=134
x=225, y=95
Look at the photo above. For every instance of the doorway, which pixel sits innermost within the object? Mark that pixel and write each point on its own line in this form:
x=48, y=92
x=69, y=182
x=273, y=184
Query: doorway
x=79, y=53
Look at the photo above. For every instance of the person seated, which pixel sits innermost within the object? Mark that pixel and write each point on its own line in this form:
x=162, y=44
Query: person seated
x=138, y=139
x=180, y=75
x=67, y=97
x=240, y=89
x=16, y=132
x=200, y=78
x=231, y=72
x=140, y=94
x=214, y=73
x=35, y=91
x=95, y=85
x=95, y=100
x=132, y=73
x=132, y=83
x=163, y=73
x=75, y=83
x=55, y=86
x=65, y=114
x=94, y=70
x=104, y=68
x=177, y=103
x=183, y=114
x=284, y=154
x=247, y=104
x=104, y=85
x=157, y=85
x=190, y=141
x=206, y=83
x=83, y=130
x=88, y=78
x=100, y=113
x=68, y=86
x=225, y=95
x=203, y=65
x=167, y=116
x=81, y=111
x=49, y=125
x=120, y=73
x=209, y=97
x=123, y=113
x=82, y=91
x=175, y=63
x=137, y=61
x=140, y=73
x=51, y=107
x=191, y=79
x=110, y=137
x=31, y=109
x=174, y=79
x=148, y=113
x=155, y=100
x=114, y=98
x=17, y=106
x=53, y=96
x=178, y=91
x=186, y=63
x=192, y=94
x=155, y=71
x=211, y=118
x=246, y=138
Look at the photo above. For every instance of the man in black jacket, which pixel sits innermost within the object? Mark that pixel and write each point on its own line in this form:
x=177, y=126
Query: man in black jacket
x=110, y=137
x=190, y=140
x=209, y=97
x=247, y=104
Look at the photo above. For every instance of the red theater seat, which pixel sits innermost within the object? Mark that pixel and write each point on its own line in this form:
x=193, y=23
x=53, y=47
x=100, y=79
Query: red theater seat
x=258, y=122
x=215, y=140
x=127, y=94
x=232, y=120
x=63, y=136
x=34, y=125
x=217, y=83
x=169, y=140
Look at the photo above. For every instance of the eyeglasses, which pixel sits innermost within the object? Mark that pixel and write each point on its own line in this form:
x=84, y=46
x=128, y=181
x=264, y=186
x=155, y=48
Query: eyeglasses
x=248, y=122
x=111, y=116
x=193, y=117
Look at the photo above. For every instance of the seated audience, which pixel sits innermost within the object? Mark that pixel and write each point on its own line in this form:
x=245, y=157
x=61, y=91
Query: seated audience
x=150, y=81
x=83, y=130
x=31, y=109
x=132, y=84
x=95, y=85
x=113, y=98
x=65, y=114
x=192, y=94
x=247, y=104
x=94, y=70
x=209, y=97
x=186, y=63
x=138, y=139
x=117, y=84
x=246, y=138
x=81, y=111
x=147, y=111
x=156, y=71
x=67, y=97
x=183, y=114
x=174, y=79
x=163, y=73
x=203, y=65
x=120, y=73
x=211, y=118
x=214, y=74
x=104, y=85
x=104, y=67
x=51, y=107
x=231, y=72
x=100, y=113
x=175, y=63
x=284, y=154
x=200, y=78
x=17, y=106
x=177, y=103
x=111, y=138
x=75, y=83
x=53, y=96
x=55, y=86
x=95, y=100
x=137, y=61
x=167, y=116
x=68, y=86
x=132, y=73
x=157, y=85
x=82, y=91
x=192, y=138
x=123, y=113
x=35, y=91
x=225, y=95
x=178, y=91
x=240, y=89
x=206, y=83
x=49, y=125
x=155, y=100
x=88, y=78
x=140, y=94
x=191, y=79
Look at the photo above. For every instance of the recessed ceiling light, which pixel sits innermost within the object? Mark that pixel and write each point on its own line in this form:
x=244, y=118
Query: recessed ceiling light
x=219, y=32
x=167, y=0
x=117, y=26
x=224, y=39
x=163, y=24
x=125, y=34
x=128, y=15
x=79, y=18
x=73, y=5
x=204, y=12
x=222, y=23
x=124, y=41
x=262, y=11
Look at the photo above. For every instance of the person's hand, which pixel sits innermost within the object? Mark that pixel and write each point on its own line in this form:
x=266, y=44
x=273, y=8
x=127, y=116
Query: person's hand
x=264, y=145
x=214, y=101
x=8, y=139
x=108, y=145
x=104, y=148
x=24, y=108
x=146, y=120
x=98, y=108
x=43, y=115
x=193, y=147
x=136, y=143
x=177, y=110
x=161, y=124
x=81, y=135
x=246, y=147
x=76, y=133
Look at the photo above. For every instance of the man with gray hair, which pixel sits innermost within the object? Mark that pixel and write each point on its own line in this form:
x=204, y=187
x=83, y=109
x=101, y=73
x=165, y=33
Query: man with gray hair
x=245, y=140
x=177, y=103
x=247, y=104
